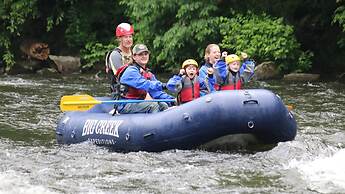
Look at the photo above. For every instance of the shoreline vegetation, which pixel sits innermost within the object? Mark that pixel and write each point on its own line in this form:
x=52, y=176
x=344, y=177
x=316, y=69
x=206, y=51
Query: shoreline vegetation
x=68, y=65
x=285, y=37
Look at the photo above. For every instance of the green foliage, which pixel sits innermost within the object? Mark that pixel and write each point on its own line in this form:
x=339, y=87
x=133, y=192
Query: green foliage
x=7, y=56
x=66, y=25
x=8, y=59
x=304, y=61
x=13, y=14
x=264, y=38
x=94, y=53
x=339, y=17
x=173, y=30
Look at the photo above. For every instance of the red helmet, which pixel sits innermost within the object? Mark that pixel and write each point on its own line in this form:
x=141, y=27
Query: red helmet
x=124, y=29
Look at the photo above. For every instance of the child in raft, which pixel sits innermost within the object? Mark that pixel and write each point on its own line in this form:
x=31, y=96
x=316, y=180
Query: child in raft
x=187, y=82
x=231, y=74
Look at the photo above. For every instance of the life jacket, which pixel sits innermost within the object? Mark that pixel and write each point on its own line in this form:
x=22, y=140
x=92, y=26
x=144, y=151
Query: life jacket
x=190, y=89
x=129, y=92
x=231, y=82
x=110, y=68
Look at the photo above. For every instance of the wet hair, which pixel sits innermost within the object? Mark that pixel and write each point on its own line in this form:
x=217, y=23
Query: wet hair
x=208, y=51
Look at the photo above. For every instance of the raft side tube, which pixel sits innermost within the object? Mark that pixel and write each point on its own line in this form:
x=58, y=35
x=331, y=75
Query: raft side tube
x=258, y=112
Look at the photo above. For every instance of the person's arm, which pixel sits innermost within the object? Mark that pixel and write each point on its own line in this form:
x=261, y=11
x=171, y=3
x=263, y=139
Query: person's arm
x=221, y=68
x=207, y=83
x=206, y=80
x=157, y=92
x=175, y=84
x=115, y=60
x=247, y=70
x=160, y=95
x=133, y=78
x=203, y=72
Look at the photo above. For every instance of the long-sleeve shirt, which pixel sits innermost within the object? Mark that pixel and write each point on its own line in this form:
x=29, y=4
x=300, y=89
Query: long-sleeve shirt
x=175, y=83
x=246, y=71
x=207, y=81
x=132, y=77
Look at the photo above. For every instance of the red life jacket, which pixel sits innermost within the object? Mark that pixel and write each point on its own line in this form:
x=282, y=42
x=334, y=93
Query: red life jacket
x=131, y=92
x=231, y=82
x=190, y=89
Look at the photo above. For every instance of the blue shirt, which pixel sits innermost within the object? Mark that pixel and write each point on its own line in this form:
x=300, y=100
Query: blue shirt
x=207, y=82
x=132, y=77
x=246, y=70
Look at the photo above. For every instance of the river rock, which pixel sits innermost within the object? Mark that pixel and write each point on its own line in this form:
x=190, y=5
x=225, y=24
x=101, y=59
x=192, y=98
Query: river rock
x=26, y=66
x=266, y=70
x=301, y=77
x=66, y=64
x=47, y=71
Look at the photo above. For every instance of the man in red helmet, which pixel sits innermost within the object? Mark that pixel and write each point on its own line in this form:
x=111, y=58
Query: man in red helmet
x=120, y=55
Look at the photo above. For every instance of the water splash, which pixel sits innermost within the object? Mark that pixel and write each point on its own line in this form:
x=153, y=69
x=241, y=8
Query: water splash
x=323, y=174
x=12, y=182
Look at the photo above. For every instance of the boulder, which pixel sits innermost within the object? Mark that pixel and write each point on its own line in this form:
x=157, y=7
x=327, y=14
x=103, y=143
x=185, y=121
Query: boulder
x=301, y=77
x=266, y=71
x=26, y=66
x=48, y=71
x=66, y=64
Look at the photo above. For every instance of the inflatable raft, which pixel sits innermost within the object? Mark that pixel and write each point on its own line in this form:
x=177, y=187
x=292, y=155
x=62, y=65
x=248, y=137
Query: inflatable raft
x=258, y=112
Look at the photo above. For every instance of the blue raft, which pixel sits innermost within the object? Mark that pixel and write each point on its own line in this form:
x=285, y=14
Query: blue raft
x=257, y=111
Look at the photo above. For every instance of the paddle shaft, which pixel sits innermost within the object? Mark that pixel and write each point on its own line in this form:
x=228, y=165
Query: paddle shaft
x=117, y=101
x=86, y=102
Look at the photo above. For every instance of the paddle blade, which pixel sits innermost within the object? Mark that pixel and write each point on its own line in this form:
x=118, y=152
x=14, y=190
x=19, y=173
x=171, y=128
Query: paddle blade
x=78, y=103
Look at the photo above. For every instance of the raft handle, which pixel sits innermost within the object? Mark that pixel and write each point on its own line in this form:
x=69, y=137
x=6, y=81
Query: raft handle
x=127, y=137
x=58, y=133
x=251, y=124
x=148, y=135
x=73, y=134
x=186, y=117
x=250, y=102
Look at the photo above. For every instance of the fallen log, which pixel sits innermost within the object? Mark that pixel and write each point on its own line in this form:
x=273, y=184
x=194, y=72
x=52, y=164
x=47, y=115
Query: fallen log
x=35, y=50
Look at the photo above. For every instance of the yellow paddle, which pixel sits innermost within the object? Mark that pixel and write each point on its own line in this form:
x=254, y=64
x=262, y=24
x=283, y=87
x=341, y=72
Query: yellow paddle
x=77, y=103
x=86, y=102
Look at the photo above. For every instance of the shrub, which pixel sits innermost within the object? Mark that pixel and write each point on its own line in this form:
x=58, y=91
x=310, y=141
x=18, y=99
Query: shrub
x=264, y=38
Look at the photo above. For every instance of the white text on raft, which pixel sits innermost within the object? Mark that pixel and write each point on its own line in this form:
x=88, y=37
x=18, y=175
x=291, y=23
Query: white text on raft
x=102, y=127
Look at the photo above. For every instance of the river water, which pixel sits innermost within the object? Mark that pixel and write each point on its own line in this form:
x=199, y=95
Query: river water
x=32, y=162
